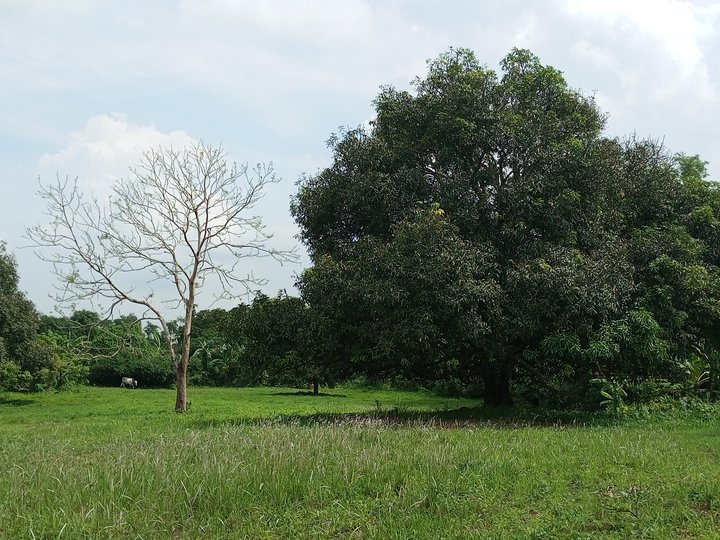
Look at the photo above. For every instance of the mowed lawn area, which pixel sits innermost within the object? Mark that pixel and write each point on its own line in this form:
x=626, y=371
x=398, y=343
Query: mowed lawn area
x=353, y=463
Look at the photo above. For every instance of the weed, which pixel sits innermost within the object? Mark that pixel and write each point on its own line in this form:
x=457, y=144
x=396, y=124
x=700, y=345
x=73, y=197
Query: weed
x=614, y=396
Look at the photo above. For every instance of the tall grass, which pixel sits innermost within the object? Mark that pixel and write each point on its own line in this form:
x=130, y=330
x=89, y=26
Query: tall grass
x=101, y=463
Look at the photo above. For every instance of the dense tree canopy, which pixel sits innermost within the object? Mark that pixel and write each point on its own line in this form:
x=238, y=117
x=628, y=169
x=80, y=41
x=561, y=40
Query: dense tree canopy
x=411, y=305
x=28, y=361
x=284, y=344
x=18, y=318
x=484, y=222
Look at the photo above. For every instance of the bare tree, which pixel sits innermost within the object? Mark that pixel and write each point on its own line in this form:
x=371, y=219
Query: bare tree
x=181, y=218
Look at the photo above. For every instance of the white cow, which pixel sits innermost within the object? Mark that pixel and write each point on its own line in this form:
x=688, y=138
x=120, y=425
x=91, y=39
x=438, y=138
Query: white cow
x=128, y=382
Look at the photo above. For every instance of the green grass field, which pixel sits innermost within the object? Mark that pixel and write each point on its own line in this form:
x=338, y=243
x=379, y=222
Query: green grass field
x=269, y=463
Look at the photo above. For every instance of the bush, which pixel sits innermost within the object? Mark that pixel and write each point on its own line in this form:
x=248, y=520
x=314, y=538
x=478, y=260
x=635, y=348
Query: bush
x=13, y=377
x=651, y=390
x=150, y=370
x=224, y=368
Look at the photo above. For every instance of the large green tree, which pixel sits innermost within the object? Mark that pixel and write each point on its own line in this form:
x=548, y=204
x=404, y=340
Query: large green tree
x=518, y=165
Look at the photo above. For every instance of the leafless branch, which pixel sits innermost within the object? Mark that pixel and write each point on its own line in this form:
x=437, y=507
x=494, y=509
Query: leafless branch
x=181, y=217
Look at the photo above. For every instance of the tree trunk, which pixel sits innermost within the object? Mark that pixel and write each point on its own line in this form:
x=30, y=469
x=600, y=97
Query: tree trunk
x=497, y=386
x=181, y=385
x=181, y=403
x=316, y=387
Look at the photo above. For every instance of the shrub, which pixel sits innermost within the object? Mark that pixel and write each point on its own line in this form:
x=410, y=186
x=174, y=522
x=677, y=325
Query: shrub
x=13, y=377
x=150, y=370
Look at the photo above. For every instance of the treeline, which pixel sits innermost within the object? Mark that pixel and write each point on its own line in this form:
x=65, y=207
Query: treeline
x=267, y=342
x=282, y=341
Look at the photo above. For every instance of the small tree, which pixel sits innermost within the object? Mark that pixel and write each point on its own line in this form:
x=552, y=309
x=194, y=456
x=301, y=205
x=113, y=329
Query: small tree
x=180, y=218
x=284, y=341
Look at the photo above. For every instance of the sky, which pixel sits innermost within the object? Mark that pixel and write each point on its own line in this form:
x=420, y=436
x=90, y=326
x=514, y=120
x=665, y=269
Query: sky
x=87, y=85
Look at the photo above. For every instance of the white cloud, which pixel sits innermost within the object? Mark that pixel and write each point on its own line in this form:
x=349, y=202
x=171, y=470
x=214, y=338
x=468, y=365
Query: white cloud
x=310, y=20
x=105, y=148
x=675, y=24
x=679, y=30
x=653, y=65
x=526, y=32
x=109, y=144
x=247, y=49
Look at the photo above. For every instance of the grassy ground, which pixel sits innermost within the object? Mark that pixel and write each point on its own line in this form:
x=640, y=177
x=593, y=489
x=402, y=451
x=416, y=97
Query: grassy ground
x=268, y=463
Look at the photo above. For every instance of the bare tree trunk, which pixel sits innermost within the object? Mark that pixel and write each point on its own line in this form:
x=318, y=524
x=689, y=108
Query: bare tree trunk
x=182, y=365
x=316, y=389
x=181, y=384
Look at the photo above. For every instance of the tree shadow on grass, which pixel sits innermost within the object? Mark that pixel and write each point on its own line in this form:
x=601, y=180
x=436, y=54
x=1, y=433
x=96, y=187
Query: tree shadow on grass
x=16, y=402
x=463, y=417
x=304, y=393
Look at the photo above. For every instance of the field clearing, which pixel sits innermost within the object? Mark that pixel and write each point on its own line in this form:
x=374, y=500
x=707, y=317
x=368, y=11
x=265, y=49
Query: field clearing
x=272, y=463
